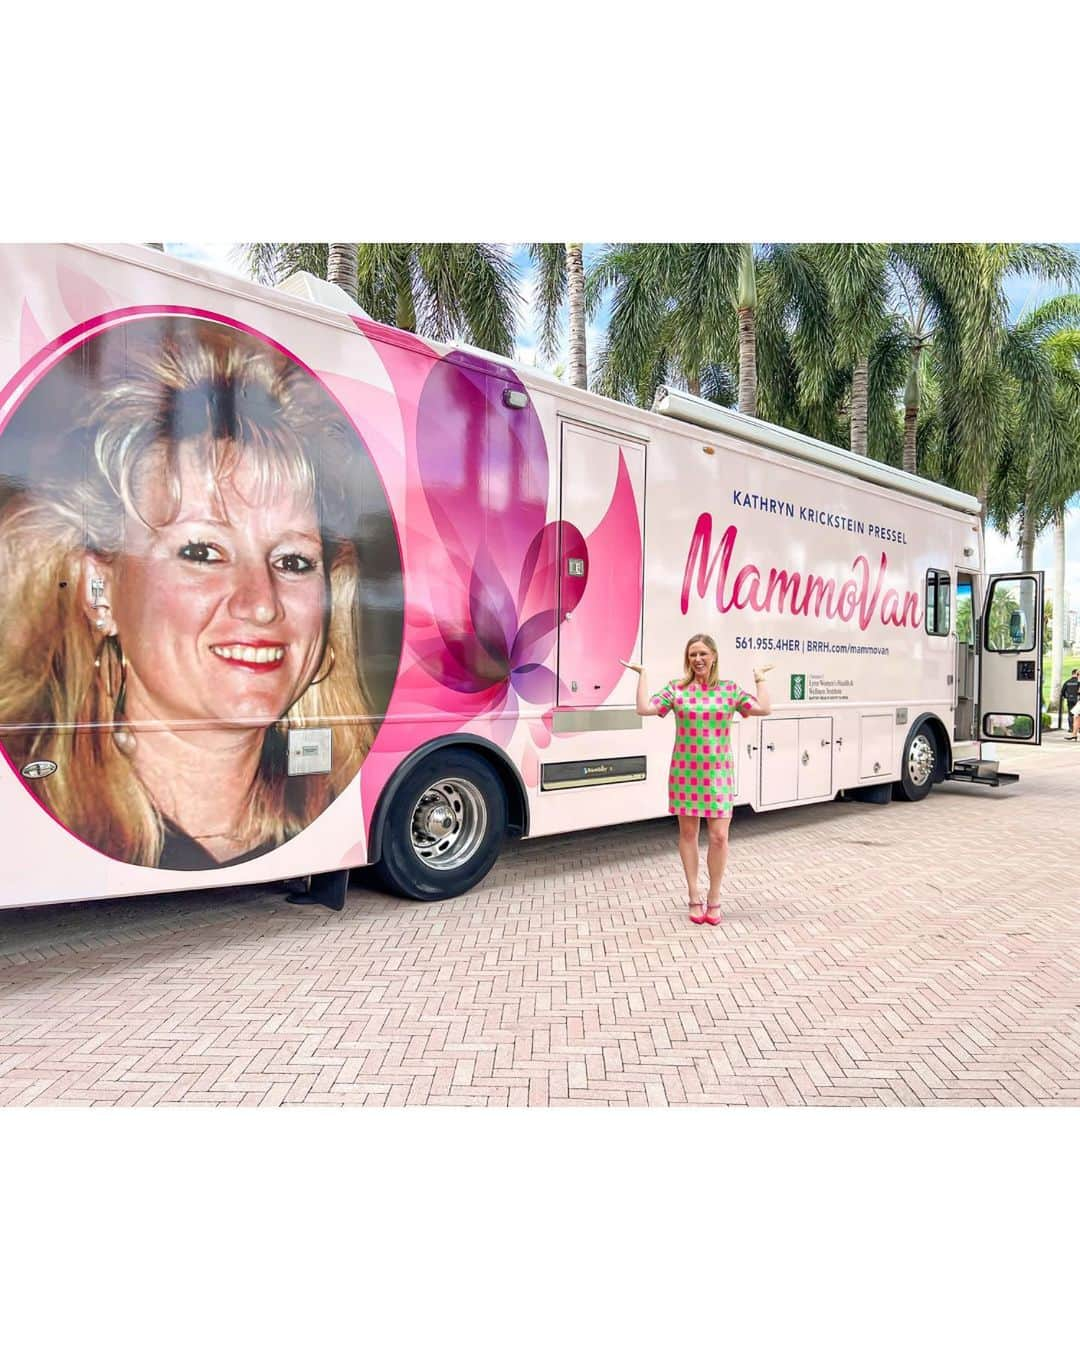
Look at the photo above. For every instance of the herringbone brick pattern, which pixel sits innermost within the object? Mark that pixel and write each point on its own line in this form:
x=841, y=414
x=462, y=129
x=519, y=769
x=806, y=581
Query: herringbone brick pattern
x=907, y=954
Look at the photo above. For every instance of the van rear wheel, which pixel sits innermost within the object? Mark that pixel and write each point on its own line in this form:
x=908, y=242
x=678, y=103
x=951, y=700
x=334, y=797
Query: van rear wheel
x=917, y=767
x=444, y=827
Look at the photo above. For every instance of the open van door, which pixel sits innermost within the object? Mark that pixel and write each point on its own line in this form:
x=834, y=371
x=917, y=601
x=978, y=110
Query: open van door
x=1010, y=659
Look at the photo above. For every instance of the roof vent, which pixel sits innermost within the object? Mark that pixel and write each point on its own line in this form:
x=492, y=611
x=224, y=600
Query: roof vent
x=307, y=287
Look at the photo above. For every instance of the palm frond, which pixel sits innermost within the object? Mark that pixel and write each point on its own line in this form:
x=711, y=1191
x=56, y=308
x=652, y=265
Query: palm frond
x=550, y=262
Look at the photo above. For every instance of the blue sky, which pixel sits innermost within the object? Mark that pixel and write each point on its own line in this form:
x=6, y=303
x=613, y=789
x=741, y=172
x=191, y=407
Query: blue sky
x=1022, y=293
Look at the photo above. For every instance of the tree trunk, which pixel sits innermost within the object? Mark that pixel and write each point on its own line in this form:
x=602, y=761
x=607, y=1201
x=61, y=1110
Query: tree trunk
x=746, y=307
x=341, y=268
x=983, y=495
x=911, y=423
x=693, y=383
x=1057, y=644
x=911, y=413
x=405, y=310
x=575, y=304
x=860, y=392
x=1027, y=518
x=1027, y=539
x=747, y=362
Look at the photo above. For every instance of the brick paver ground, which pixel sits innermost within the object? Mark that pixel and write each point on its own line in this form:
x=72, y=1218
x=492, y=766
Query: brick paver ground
x=897, y=955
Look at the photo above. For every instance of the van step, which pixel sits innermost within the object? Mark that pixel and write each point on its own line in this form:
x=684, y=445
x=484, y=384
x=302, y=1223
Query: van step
x=983, y=771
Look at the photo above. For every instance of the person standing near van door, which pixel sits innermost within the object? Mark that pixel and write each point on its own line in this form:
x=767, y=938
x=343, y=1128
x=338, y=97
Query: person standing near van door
x=701, y=783
x=1070, y=696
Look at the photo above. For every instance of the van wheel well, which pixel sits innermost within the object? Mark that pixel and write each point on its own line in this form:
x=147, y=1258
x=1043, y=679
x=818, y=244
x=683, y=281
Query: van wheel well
x=926, y=760
x=517, y=805
x=943, y=756
x=517, y=809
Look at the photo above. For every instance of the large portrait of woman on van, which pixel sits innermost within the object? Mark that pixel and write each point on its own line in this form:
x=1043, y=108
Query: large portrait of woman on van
x=198, y=570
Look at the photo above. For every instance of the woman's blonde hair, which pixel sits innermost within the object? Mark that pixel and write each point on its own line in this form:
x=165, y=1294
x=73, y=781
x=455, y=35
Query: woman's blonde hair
x=233, y=399
x=688, y=671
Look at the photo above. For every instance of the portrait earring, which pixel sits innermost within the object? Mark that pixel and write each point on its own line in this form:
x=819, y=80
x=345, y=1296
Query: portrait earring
x=319, y=679
x=103, y=620
x=112, y=665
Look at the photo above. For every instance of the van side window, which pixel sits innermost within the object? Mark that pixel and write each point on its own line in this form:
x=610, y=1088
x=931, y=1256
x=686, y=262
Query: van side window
x=938, y=602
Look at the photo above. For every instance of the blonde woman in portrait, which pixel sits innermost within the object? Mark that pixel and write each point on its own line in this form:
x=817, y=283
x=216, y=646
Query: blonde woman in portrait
x=179, y=597
x=701, y=782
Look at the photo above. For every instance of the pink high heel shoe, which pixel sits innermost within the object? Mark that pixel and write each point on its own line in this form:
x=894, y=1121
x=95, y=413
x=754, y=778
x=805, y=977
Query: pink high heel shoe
x=708, y=915
x=697, y=918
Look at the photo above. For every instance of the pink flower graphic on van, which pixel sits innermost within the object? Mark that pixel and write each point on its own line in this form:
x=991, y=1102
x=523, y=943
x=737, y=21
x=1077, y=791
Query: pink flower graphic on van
x=482, y=620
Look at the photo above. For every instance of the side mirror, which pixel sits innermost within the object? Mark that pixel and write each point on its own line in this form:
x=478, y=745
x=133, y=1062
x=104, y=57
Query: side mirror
x=1017, y=634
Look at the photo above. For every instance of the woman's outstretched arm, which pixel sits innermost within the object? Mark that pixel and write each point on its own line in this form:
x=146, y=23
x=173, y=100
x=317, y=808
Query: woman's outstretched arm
x=762, y=705
x=644, y=706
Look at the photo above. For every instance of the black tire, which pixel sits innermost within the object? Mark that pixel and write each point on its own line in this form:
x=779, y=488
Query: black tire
x=444, y=827
x=918, y=766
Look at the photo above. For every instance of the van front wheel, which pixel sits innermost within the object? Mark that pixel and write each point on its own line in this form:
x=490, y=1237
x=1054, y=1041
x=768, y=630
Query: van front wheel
x=444, y=827
x=917, y=766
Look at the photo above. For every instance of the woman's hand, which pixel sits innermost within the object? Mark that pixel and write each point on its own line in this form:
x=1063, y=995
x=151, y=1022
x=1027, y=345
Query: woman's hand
x=762, y=703
x=643, y=705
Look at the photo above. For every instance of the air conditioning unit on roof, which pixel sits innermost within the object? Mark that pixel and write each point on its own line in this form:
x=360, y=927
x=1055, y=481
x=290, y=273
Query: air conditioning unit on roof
x=320, y=292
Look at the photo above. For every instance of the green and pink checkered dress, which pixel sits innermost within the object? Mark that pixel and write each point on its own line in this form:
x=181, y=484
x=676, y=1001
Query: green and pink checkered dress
x=702, y=778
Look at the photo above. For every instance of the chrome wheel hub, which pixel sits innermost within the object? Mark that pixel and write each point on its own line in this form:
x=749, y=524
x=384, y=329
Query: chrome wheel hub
x=448, y=823
x=920, y=761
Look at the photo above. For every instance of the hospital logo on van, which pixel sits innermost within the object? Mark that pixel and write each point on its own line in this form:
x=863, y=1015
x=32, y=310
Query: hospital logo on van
x=798, y=687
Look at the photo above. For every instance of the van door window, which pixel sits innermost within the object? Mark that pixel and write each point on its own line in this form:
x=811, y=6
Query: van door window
x=1010, y=615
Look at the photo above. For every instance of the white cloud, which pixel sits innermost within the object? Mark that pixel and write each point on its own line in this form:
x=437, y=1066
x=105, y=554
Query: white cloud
x=216, y=256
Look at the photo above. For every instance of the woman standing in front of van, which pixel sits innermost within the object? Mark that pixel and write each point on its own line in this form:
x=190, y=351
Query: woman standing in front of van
x=701, y=783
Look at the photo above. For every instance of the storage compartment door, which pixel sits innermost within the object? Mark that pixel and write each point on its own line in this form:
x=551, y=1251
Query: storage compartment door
x=600, y=566
x=1010, y=659
x=815, y=757
x=779, y=762
x=875, y=745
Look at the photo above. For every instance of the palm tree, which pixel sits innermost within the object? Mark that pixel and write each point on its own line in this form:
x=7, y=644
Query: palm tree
x=561, y=279
x=673, y=317
x=965, y=284
x=1054, y=476
x=911, y=301
x=1038, y=463
x=856, y=277
x=798, y=384
x=342, y=267
x=1057, y=649
x=692, y=312
x=441, y=291
x=893, y=298
x=746, y=304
